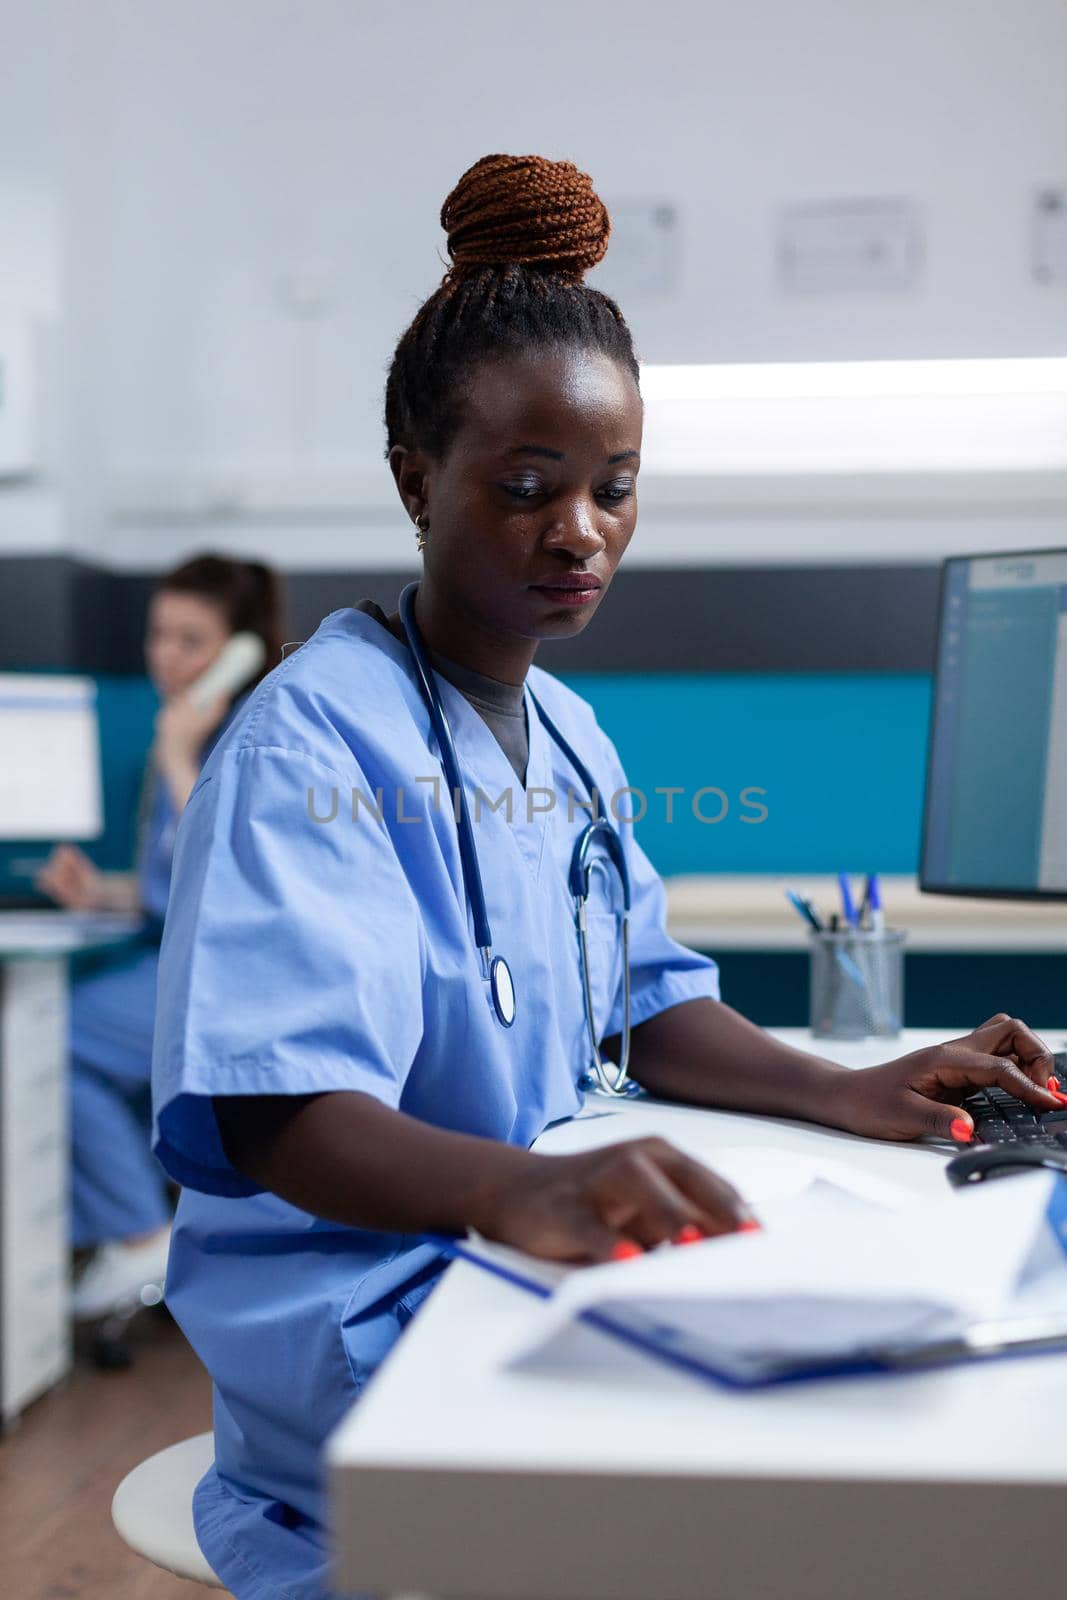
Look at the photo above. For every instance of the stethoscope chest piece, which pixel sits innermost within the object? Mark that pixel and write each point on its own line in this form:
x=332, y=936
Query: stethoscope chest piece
x=502, y=990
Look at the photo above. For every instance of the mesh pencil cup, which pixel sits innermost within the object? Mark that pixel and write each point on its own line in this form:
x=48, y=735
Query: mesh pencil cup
x=856, y=983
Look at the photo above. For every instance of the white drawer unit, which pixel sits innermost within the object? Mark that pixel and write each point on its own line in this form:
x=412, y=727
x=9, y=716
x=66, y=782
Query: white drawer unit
x=34, y=1176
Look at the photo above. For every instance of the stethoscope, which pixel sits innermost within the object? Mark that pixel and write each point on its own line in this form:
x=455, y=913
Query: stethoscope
x=603, y=1075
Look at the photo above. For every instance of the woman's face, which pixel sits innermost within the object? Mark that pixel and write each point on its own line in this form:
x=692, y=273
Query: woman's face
x=184, y=635
x=535, y=500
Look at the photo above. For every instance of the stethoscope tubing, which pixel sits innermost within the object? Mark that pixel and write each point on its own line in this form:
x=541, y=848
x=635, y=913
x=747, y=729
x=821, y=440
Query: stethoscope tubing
x=599, y=829
x=468, y=854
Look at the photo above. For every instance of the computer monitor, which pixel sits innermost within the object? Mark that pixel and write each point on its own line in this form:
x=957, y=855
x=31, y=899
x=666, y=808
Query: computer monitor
x=50, y=783
x=996, y=782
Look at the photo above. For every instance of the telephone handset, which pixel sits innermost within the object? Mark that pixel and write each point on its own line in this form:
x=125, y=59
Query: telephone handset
x=238, y=661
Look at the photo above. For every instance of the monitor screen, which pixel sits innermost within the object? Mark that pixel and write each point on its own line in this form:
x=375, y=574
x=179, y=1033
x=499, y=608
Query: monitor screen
x=50, y=785
x=996, y=781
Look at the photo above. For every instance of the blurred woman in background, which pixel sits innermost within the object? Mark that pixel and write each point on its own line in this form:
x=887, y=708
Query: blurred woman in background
x=119, y=1201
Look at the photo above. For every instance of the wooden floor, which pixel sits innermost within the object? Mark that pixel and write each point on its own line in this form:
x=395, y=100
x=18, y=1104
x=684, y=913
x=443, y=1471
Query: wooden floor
x=59, y=1467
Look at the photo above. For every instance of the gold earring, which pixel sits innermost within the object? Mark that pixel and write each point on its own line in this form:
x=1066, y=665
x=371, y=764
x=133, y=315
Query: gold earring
x=422, y=528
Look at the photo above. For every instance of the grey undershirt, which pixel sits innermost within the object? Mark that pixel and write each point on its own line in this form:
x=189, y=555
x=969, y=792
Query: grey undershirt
x=501, y=706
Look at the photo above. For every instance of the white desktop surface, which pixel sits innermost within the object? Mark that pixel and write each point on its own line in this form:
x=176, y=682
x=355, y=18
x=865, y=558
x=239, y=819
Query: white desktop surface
x=51, y=932
x=626, y=1479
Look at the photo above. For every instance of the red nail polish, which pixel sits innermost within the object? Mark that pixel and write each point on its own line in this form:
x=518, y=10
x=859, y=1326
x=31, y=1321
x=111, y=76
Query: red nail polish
x=961, y=1131
x=690, y=1234
x=751, y=1226
x=1054, y=1088
x=625, y=1250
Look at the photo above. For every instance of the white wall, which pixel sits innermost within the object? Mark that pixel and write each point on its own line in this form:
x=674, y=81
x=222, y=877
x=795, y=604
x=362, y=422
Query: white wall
x=31, y=256
x=217, y=148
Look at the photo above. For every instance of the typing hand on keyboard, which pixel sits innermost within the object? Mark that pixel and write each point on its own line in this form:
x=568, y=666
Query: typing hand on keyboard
x=1001, y=1118
x=929, y=1091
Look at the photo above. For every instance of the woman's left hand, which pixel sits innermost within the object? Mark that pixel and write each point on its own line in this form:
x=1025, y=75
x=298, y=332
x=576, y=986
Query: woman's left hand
x=920, y=1092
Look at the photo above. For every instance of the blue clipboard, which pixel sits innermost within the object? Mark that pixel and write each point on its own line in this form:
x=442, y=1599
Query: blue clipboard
x=994, y=1339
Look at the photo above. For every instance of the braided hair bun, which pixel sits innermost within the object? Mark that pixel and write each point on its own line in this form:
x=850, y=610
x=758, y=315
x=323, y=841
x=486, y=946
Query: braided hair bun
x=522, y=233
x=525, y=211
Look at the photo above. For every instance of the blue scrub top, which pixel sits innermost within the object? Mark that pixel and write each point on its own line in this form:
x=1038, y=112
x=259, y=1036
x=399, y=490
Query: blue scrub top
x=155, y=851
x=311, y=947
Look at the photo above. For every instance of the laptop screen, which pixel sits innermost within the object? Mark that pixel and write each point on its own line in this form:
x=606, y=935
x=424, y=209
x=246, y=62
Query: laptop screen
x=50, y=782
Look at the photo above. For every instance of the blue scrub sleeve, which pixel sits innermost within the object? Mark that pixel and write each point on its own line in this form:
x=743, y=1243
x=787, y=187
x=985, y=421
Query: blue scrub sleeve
x=663, y=972
x=292, y=956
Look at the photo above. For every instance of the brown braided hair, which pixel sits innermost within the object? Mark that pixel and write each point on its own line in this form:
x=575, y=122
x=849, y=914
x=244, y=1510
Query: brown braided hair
x=522, y=233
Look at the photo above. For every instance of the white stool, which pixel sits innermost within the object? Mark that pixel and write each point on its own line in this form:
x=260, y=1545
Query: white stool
x=153, y=1508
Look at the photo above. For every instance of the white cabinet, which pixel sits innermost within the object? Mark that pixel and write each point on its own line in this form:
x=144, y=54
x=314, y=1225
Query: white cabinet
x=34, y=1176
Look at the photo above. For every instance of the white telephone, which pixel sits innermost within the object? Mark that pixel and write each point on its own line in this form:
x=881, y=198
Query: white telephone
x=239, y=660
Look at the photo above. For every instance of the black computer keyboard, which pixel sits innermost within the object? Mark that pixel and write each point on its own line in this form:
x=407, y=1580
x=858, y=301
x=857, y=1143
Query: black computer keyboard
x=1001, y=1119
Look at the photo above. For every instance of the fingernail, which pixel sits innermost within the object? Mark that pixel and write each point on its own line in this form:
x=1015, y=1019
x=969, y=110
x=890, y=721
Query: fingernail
x=625, y=1250
x=690, y=1234
x=961, y=1131
x=750, y=1226
x=1054, y=1088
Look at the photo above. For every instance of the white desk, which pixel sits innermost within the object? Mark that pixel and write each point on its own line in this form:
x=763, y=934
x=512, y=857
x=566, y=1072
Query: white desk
x=626, y=1480
x=34, y=1145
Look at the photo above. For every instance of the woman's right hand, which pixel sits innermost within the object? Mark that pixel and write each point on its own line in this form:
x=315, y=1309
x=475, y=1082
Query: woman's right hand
x=69, y=878
x=605, y=1204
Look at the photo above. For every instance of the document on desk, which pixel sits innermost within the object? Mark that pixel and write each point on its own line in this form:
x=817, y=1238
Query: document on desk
x=834, y=1282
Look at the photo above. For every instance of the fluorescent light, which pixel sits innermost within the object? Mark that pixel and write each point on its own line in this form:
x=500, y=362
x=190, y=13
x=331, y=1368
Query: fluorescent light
x=778, y=380
x=857, y=416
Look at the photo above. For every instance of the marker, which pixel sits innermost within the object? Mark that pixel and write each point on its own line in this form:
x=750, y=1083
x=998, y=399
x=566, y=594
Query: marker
x=847, y=904
x=874, y=901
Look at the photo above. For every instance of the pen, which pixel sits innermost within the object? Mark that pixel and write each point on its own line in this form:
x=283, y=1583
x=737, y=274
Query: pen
x=874, y=902
x=847, y=905
x=805, y=909
x=814, y=913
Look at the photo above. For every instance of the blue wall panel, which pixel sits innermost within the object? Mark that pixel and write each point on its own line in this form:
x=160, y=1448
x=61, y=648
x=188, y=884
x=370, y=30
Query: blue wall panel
x=842, y=759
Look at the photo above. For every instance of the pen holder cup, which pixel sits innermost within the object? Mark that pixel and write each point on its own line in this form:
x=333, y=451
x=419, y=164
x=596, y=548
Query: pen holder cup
x=857, y=984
